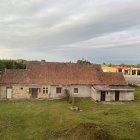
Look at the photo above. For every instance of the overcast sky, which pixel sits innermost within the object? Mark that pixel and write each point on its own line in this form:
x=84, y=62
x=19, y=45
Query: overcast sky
x=67, y=30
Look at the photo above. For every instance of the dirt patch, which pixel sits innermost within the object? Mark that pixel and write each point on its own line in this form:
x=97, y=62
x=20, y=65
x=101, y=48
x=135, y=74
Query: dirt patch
x=87, y=131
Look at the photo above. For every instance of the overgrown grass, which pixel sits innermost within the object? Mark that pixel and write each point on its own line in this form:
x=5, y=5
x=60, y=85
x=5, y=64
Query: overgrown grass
x=38, y=120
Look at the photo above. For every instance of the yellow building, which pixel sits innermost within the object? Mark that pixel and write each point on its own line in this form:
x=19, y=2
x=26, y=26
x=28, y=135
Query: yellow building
x=108, y=69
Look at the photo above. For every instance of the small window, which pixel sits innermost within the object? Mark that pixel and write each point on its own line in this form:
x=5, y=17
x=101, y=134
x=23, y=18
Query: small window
x=45, y=90
x=58, y=90
x=75, y=90
x=21, y=88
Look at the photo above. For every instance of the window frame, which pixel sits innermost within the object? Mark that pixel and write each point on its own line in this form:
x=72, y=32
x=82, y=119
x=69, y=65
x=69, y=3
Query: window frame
x=58, y=90
x=76, y=91
x=45, y=90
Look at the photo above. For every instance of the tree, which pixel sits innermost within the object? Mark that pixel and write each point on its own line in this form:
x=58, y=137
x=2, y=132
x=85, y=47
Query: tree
x=83, y=61
x=138, y=65
x=12, y=64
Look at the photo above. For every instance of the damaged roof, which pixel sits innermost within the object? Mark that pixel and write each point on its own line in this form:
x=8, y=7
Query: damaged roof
x=61, y=73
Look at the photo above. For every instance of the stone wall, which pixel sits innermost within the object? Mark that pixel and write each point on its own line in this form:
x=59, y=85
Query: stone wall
x=21, y=91
x=2, y=92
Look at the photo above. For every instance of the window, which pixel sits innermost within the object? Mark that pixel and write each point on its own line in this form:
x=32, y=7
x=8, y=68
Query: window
x=75, y=90
x=21, y=88
x=45, y=90
x=58, y=90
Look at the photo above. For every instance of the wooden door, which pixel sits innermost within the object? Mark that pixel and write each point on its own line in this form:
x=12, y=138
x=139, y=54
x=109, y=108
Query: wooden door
x=117, y=95
x=102, y=95
x=34, y=93
x=9, y=93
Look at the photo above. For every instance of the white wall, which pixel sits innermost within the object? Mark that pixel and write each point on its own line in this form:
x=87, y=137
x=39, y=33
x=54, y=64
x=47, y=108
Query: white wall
x=83, y=91
x=95, y=95
x=126, y=96
x=55, y=95
x=110, y=95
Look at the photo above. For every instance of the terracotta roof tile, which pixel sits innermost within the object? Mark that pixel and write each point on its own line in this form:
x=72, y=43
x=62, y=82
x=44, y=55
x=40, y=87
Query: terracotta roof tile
x=114, y=78
x=14, y=76
x=62, y=73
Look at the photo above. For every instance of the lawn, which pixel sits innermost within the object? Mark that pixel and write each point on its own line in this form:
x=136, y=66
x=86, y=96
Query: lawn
x=44, y=120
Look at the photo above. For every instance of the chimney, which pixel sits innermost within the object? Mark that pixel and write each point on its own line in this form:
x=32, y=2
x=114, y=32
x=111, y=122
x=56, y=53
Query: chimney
x=43, y=61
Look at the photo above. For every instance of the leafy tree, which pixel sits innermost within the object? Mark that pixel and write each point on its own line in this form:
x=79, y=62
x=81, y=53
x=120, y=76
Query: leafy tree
x=110, y=65
x=83, y=61
x=104, y=63
x=12, y=64
x=138, y=65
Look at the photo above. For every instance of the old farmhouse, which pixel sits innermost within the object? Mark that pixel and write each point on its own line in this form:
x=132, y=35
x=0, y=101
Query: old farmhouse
x=51, y=80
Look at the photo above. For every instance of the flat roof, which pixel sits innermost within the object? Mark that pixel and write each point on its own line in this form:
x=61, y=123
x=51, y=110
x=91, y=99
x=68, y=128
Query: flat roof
x=113, y=88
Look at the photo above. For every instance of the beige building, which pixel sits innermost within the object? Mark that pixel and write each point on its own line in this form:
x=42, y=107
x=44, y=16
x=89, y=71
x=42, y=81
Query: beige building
x=123, y=69
x=51, y=80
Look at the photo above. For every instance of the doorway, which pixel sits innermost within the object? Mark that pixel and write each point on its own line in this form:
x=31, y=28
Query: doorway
x=8, y=93
x=34, y=92
x=102, y=95
x=117, y=95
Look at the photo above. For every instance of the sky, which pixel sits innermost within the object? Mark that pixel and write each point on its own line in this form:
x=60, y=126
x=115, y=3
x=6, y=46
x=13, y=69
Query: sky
x=61, y=30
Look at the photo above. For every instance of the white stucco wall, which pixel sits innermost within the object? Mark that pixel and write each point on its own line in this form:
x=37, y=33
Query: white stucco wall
x=55, y=95
x=110, y=95
x=83, y=91
x=123, y=96
x=95, y=95
x=126, y=96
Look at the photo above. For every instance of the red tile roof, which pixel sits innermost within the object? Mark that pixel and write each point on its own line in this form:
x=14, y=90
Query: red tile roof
x=114, y=78
x=62, y=73
x=14, y=76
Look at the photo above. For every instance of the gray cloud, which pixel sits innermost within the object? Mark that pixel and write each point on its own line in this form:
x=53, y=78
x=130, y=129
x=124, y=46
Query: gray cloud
x=59, y=30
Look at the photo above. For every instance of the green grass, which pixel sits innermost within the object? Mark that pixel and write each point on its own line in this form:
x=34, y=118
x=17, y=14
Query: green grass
x=38, y=120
